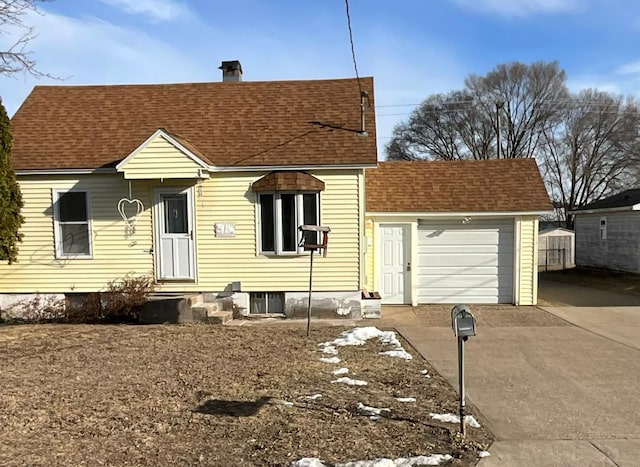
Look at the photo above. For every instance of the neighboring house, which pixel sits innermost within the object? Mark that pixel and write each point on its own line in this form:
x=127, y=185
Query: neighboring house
x=556, y=247
x=454, y=231
x=221, y=173
x=608, y=232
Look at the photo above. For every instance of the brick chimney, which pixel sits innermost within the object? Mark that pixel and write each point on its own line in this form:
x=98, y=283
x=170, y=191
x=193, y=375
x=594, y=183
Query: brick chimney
x=231, y=71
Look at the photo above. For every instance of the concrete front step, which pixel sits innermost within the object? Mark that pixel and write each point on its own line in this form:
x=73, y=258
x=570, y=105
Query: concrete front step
x=183, y=308
x=210, y=313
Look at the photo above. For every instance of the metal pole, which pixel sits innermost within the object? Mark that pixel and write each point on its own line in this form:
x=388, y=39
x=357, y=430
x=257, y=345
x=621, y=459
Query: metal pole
x=310, y=288
x=463, y=428
x=499, y=105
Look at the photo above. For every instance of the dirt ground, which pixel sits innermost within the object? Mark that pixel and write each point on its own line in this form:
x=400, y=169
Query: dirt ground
x=212, y=395
x=486, y=315
x=611, y=281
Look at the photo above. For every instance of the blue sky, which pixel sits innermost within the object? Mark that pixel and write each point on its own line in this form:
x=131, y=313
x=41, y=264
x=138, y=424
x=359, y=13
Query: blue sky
x=412, y=47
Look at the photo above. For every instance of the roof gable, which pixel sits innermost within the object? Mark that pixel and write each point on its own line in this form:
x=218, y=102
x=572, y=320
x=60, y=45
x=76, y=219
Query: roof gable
x=247, y=124
x=162, y=156
x=504, y=185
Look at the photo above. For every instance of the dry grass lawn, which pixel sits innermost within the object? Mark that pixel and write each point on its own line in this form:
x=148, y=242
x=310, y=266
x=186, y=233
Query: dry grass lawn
x=206, y=395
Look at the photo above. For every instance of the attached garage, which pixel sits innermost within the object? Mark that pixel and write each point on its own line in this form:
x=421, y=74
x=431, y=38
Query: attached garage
x=465, y=262
x=431, y=242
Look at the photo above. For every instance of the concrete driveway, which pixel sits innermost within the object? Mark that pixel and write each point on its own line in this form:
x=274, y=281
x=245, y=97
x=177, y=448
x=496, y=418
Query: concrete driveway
x=552, y=393
x=561, y=294
x=612, y=315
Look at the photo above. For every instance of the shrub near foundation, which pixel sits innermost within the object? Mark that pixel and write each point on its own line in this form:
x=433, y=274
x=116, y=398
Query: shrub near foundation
x=125, y=296
x=119, y=303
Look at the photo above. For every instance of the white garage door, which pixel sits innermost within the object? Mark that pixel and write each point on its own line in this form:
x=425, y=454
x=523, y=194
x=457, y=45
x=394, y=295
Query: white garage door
x=465, y=263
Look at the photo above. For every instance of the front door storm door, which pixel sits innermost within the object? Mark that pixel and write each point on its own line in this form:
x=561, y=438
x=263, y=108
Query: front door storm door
x=175, y=257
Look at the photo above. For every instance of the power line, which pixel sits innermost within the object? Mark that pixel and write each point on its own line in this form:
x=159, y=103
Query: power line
x=353, y=49
x=547, y=101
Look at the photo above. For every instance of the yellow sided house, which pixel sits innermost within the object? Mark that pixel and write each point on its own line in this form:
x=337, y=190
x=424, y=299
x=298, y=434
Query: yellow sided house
x=454, y=231
x=201, y=185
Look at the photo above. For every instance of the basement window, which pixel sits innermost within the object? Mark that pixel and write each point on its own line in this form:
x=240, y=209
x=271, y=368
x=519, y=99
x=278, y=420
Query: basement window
x=262, y=303
x=603, y=228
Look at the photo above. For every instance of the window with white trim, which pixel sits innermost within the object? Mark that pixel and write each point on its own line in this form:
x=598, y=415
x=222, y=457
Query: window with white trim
x=72, y=224
x=280, y=214
x=603, y=228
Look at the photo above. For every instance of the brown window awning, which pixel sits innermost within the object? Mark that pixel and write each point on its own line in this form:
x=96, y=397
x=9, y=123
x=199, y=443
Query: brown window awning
x=287, y=181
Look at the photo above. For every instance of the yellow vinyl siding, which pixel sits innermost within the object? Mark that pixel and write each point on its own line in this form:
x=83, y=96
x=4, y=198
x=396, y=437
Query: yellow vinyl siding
x=370, y=270
x=225, y=198
x=114, y=252
x=160, y=159
x=528, y=261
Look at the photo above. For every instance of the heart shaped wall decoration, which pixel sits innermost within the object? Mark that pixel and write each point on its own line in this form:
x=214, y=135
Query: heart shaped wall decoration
x=130, y=210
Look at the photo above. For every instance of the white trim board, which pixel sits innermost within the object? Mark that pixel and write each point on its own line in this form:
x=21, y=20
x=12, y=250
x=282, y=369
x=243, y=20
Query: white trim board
x=210, y=168
x=634, y=207
x=456, y=214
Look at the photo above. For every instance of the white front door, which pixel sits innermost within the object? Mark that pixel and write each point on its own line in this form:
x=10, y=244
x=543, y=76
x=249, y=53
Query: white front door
x=175, y=257
x=394, y=264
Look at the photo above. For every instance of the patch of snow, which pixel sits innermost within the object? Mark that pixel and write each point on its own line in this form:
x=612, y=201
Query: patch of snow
x=360, y=335
x=433, y=459
x=400, y=353
x=341, y=371
x=330, y=349
x=313, y=397
x=287, y=403
x=349, y=381
x=308, y=462
x=452, y=418
x=330, y=360
x=406, y=399
x=484, y=454
x=371, y=410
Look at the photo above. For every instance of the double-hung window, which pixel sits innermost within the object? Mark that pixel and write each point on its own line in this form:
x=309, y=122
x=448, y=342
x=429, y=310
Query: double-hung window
x=280, y=215
x=72, y=224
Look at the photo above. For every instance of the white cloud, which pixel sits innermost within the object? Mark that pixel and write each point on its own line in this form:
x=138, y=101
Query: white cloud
x=155, y=10
x=521, y=7
x=632, y=68
x=92, y=51
x=594, y=82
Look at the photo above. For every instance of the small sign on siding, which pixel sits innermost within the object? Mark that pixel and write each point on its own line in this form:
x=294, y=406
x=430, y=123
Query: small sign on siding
x=224, y=230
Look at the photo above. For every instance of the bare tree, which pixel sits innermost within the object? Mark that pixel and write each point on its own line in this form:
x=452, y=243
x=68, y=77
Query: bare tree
x=529, y=98
x=17, y=58
x=464, y=124
x=594, y=151
x=447, y=127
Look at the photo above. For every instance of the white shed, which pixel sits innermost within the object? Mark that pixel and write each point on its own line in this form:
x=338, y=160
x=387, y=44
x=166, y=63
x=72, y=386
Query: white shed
x=556, y=249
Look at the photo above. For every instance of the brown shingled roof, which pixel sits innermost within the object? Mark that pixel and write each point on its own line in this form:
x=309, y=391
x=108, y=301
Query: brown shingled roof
x=231, y=124
x=456, y=186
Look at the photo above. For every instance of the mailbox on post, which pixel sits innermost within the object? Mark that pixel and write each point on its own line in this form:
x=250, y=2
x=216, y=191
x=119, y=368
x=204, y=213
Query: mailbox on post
x=463, y=322
x=464, y=326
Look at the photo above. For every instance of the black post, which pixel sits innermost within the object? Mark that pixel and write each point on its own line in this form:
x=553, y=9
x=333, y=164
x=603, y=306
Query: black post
x=546, y=259
x=463, y=428
x=310, y=288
